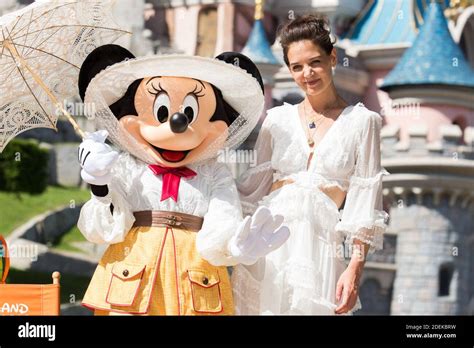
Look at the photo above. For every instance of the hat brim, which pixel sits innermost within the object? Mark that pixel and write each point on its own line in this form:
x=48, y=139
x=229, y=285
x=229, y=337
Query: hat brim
x=239, y=88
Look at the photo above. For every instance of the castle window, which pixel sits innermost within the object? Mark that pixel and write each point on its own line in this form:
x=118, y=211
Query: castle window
x=156, y=21
x=461, y=122
x=445, y=277
x=207, y=32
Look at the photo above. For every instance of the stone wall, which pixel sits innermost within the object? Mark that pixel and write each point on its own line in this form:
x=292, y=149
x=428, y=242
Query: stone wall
x=453, y=143
x=376, y=292
x=430, y=236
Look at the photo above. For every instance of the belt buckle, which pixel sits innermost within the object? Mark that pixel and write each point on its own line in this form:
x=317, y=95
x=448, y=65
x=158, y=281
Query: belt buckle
x=173, y=220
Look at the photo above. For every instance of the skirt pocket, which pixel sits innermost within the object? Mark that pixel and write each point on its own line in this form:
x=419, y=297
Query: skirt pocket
x=124, y=284
x=205, y=291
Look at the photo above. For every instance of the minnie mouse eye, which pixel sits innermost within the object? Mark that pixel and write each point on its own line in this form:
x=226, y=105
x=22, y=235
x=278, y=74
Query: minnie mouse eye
x=190, y=107
x=161, y=108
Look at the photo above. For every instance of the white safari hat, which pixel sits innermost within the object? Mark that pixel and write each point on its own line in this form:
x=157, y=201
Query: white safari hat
x=102, y=83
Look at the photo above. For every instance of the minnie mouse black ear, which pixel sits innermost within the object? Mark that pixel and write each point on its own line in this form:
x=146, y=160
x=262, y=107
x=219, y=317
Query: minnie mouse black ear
x=98, y=60
x=243, y=62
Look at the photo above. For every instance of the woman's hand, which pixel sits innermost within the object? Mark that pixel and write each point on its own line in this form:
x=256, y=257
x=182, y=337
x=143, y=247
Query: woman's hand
x=348, y=288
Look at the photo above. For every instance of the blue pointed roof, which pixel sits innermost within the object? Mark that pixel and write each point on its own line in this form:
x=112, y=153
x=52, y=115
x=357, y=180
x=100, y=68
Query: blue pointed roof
x=257, y=47
x=420, y=7
x=433, y=59
x=384, y=22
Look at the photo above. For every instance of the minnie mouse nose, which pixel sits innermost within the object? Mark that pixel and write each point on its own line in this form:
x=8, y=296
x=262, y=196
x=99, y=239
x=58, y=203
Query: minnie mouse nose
x=179, y=122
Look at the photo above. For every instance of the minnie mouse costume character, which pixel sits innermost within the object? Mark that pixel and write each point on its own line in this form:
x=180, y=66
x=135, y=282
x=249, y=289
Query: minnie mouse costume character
x=169, y=210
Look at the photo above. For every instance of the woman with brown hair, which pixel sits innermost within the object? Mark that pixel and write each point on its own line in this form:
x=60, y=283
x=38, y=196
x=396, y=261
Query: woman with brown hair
x=311, y=158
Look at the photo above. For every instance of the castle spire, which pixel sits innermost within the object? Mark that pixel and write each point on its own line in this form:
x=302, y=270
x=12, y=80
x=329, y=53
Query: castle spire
x=433, y=60
x=257, y=47
x=383, y=22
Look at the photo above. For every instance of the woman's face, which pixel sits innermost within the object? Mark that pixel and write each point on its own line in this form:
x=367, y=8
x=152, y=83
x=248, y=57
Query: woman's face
x=310, y=66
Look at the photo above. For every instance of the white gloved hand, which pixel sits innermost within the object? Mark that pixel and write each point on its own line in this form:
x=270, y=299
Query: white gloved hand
x=96, y=158
x=257, y=236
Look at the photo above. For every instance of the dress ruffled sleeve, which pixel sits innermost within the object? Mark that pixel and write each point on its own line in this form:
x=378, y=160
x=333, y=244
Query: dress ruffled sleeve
x=256, y=182
x=221, y=220
x=363, y=218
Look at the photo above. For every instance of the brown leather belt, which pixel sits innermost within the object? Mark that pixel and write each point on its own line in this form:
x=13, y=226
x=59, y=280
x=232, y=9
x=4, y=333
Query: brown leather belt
x=159, y=218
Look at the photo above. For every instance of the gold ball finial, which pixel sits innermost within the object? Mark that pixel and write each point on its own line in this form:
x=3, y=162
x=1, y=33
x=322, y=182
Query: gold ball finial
x=456, y=7
x=56, y=277
x=259, y=4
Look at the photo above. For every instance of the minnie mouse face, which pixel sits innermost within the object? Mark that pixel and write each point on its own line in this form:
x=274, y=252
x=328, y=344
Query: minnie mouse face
x=174, y=118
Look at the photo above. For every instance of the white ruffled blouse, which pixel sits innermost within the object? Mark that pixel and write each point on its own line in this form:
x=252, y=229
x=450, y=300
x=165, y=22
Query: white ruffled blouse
x=210, y=194
x=348, y=157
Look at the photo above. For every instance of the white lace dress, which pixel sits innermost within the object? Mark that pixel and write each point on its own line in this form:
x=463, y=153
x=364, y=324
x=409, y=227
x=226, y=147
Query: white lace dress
x=301, y=276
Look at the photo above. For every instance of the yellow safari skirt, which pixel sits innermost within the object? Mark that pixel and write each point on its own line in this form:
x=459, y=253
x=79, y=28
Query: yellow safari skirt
x=158, y=271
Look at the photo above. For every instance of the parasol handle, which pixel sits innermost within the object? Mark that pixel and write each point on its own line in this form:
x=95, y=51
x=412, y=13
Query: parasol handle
x=7, y=44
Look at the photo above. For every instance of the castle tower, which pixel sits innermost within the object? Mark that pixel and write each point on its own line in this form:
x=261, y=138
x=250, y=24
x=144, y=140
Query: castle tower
x=258, y=49
x=372, y=47
x=367, y=52
x=428, y=147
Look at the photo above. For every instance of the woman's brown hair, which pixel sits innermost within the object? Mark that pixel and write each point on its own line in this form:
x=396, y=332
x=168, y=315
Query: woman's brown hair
x=307, y=27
